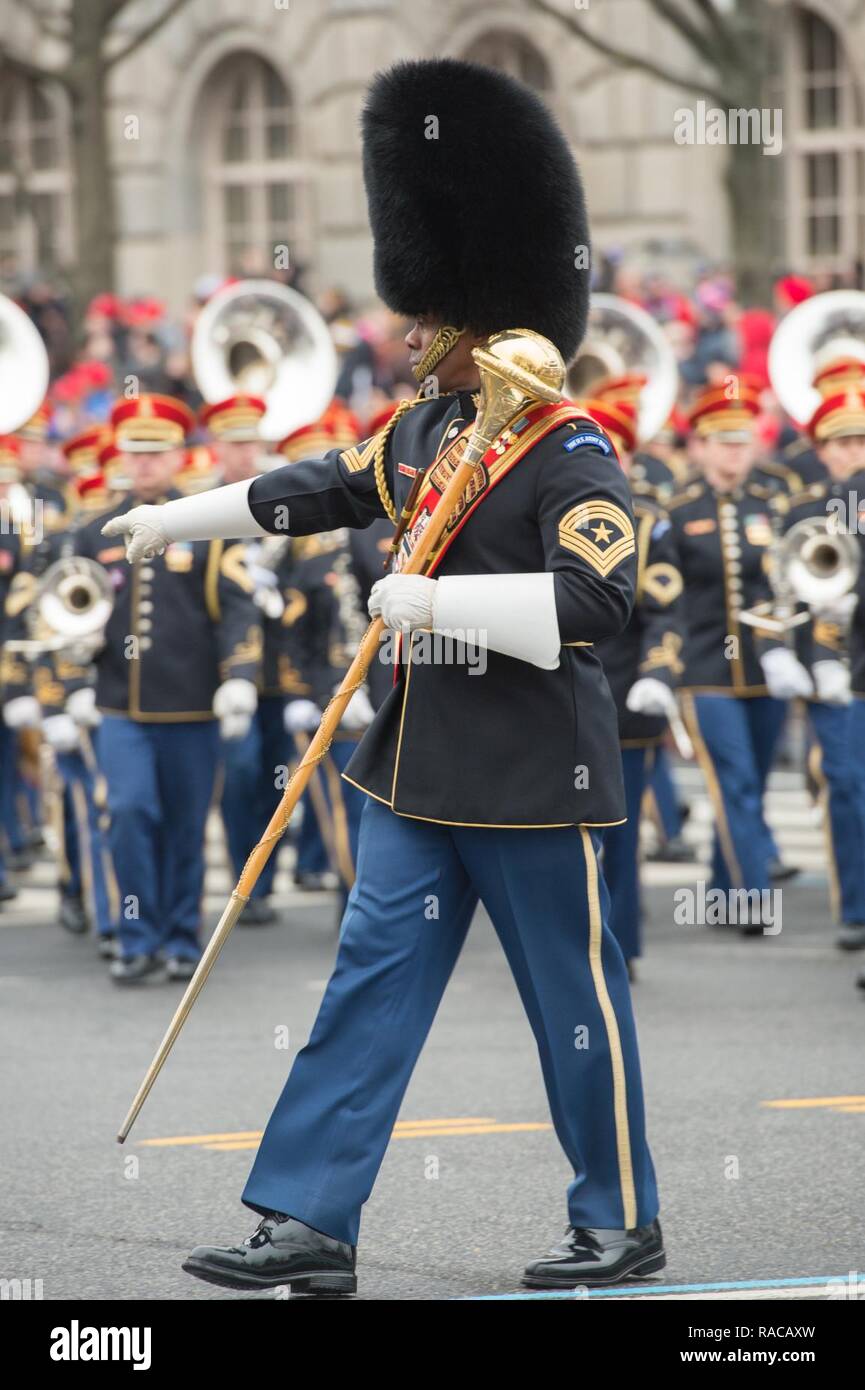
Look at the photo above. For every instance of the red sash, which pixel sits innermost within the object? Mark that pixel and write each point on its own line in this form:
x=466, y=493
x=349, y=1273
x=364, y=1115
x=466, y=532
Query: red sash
x=506, y=451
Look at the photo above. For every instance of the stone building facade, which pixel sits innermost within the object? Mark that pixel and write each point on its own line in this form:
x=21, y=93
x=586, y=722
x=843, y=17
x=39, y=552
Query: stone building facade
x=235, y=129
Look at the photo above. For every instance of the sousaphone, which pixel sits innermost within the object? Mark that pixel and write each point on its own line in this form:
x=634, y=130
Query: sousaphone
x=264, y=339
x=824, y=327
x=622, y=338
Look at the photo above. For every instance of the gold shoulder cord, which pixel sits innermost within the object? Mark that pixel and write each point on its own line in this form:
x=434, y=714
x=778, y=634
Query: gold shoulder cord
x=380, y=480
x=445, y=338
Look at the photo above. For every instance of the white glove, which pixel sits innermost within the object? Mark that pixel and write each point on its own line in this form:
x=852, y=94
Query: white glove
x=301, y=716
x=143, y=529
x=832, y=679
x=23, y=712
x=222, y=513
x=403, y=601
x=234, y=704
x=359, y=713
x=650, y=696
x=81, y=706
x=266, y=595
x=61, y=733
x=786, y=677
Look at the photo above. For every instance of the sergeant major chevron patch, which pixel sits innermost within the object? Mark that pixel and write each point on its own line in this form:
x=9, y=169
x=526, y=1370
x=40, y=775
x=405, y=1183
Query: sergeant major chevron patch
x=599, y=532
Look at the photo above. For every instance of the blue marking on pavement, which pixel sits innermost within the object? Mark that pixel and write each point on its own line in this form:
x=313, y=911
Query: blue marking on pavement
x=648, y=1288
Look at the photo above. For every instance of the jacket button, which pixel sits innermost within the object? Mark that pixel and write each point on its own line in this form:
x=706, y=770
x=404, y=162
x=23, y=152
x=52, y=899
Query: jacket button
x=144, y=644
x=145, y=625
x=146, y=572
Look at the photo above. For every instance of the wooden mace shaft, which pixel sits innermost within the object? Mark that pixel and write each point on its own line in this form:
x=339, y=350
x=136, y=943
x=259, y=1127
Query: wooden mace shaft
x=353, y=679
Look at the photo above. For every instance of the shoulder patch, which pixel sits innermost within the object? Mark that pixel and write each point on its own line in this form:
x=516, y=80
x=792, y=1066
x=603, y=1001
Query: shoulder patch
x=663, y=583
x=587, y=439
x=598, y=532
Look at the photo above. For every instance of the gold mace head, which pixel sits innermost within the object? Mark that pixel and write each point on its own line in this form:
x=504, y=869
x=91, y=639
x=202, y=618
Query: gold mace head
x=518, y=368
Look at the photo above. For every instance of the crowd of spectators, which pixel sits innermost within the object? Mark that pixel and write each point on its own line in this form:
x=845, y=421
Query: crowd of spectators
x=137, y=339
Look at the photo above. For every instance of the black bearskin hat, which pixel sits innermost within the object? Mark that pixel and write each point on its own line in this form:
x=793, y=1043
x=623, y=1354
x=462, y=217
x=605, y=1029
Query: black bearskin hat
x=475, y=202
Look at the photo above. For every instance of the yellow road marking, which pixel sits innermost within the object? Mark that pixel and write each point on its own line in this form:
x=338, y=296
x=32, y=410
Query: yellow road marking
x=404, y=1129
x=850, y=1104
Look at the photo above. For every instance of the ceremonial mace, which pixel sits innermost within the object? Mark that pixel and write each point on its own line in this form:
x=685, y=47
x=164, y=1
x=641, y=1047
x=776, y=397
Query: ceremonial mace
x=518, y=369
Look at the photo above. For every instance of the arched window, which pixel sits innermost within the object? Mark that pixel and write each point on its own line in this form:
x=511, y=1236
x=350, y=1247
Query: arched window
x=824, y=148
x=254, y=198
x=35, y=211
x=511, y=53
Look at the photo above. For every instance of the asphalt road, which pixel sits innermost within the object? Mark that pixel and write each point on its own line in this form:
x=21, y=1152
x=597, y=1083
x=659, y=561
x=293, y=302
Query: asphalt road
x=750, y=1190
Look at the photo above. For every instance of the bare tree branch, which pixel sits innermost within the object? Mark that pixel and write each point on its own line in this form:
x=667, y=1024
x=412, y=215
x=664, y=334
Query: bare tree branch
x=724, y=31
x=143, y=35
x=624, y=59
x=52, y=26
x=113, y=9
x=33, y=72
x=693, y=35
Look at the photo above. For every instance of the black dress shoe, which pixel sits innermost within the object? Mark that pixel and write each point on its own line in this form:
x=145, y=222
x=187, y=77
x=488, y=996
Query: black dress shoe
x=674, y=851
x=850, y=937
x=257, y=913
x=315, y=883
x=73, y=916
x=7, y=892
x=280, y=1251
x=106, y=945
x=598, y=1257
x=178, y=968
x=136, y=970
x=780, y=873
x=21, y=860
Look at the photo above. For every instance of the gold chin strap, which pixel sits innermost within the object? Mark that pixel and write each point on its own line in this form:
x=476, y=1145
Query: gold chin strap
x=440, y=346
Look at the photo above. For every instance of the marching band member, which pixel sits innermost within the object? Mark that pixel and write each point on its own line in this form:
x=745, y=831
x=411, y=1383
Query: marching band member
x=181, y=654
x=323, y=626
x=63, y=683
x=642, y=665
x=722, y=528
x=818, y=671
x=12, y=558
x=648, y=471
x=252, y=763
x=655, y=471
x=485, y=787
x=27, y=520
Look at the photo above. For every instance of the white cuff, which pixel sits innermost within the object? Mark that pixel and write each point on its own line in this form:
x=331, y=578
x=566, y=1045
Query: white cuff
x=221, y=513
x=514, y=614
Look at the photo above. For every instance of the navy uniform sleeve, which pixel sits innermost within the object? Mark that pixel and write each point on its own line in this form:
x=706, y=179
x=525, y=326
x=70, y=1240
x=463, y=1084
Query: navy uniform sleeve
x=315, y=495
x=587, y=526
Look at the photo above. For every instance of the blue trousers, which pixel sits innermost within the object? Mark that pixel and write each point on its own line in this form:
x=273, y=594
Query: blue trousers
x=622, y=857
x=85, y=841
x=250, y=791
x=10, y=789
x=735, y=742
x=659, y=781
x=407, y=916
x=160, y=780
x=842, y=767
